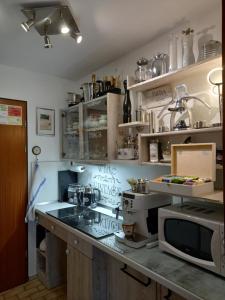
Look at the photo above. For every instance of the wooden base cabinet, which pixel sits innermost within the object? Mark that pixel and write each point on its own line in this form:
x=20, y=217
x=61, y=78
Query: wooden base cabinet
x=79, y=275
x=126, y=283
x=166, y=294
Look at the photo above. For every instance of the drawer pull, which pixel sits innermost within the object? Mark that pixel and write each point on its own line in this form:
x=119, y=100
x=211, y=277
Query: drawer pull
x=67, y=251
x=52, y=227
x=76, y=242
x=124, y=270
x=167, y=297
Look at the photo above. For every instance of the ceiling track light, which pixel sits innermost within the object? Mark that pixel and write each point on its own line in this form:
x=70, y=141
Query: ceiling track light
x=64, y=28
x=47, y=42
x=77, y=36
x=51, y=20
x=28, y=24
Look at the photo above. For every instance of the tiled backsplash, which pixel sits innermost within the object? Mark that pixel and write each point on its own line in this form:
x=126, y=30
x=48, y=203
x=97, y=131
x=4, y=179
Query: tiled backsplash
x=111, y=179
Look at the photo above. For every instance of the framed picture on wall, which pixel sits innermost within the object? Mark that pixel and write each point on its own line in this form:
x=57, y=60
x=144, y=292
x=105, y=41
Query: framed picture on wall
x=45, y=121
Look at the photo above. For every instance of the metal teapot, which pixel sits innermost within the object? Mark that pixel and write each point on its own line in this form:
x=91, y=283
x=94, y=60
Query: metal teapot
x=159, y=64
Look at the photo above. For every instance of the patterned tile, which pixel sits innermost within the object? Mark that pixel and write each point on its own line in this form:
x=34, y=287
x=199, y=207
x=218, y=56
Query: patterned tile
x=34, y=290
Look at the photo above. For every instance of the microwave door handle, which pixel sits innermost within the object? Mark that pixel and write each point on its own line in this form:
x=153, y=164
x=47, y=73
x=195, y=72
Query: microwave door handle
x=215, y=248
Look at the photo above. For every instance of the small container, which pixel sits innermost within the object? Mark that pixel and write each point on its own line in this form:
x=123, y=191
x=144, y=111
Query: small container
x=141, y=73
x=154, y=151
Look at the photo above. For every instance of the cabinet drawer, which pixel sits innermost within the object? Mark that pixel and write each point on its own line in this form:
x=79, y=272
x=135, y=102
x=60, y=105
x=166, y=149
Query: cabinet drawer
x=54, y=228
x=78, y=243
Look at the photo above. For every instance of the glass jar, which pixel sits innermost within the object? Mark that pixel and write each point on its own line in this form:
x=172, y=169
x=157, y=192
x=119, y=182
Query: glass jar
x=188, y=57
x=141, y=73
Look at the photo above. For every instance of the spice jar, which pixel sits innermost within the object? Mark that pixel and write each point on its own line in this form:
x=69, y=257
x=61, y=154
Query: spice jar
x=154, y=151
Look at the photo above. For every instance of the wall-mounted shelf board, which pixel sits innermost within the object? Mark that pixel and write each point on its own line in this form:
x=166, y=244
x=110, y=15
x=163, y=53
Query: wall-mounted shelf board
x=71, y=132
x=216, y=196
x=179, y=75
x=133, y=124
x=148, y=163
x=95, y=129
x=180, y=132
x=133, y=162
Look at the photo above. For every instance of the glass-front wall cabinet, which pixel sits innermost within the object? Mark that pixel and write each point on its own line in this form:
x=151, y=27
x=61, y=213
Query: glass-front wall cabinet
x=90, y=129
x=71, y=133
x=95, y=129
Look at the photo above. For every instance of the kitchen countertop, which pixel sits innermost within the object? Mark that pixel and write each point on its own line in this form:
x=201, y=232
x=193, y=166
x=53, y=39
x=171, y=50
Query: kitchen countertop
x=187, y=280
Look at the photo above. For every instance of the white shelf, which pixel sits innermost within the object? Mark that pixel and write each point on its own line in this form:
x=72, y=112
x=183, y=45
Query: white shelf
x=148, y=163
x=125, y=161
x=76, y=131
x=133, y=124
x=179, y=74
x=183, y=132
x=96, y=129
x=216, y=196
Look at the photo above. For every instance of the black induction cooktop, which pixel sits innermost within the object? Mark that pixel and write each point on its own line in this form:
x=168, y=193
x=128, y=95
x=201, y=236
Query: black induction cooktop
x=91, y=222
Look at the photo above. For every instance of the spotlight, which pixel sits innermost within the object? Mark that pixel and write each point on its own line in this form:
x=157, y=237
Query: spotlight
x=77, y=36
x=27, y=25
x=64, y=29
x=47, y=42
x=63, y=26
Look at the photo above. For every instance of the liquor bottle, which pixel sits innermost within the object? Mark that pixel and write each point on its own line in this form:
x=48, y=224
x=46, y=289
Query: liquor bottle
x=93, y=86
x=126, y=105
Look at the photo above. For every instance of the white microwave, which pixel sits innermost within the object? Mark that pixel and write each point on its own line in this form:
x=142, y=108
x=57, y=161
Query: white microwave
x=194, y=233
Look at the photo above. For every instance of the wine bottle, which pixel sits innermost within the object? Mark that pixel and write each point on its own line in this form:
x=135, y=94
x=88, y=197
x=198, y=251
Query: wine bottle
x=126, y=104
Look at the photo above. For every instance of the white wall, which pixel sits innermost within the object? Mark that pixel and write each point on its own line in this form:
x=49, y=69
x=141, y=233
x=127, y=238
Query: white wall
x=112, y=178
x=126, y=65
x=38, y=90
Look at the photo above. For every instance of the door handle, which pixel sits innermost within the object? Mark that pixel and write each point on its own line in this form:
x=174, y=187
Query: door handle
x=124, y=270
x=167, y=297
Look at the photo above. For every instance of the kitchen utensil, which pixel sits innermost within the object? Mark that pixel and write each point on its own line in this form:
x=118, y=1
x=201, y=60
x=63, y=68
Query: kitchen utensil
x=142, y=115
x=73, y=99
x=159, y=64
x=87, y=91
x=141, y=73
x=128, y=229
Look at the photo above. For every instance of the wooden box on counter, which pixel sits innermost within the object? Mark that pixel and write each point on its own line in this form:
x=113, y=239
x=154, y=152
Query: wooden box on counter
x=189, y=160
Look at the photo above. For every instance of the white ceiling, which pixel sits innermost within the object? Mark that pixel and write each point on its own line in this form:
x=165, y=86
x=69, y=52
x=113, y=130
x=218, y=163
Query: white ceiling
x=110, y=29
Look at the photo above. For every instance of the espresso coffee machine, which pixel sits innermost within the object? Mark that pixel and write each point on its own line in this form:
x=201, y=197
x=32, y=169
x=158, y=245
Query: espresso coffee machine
x=141, y=211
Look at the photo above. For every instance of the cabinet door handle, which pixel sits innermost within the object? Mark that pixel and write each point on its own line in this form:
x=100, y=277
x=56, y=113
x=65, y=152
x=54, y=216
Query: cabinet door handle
x=167, y=297
x=67, y=251
x=76, y=242
x=52, y=227
x=124, y=270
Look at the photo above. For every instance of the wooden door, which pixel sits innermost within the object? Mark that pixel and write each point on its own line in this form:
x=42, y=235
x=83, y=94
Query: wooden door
x=163, y=294
x=79, y=275
x=127, y=283
x=13, y=193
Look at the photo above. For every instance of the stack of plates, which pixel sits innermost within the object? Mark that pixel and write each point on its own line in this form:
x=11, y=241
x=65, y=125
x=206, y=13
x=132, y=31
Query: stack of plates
x=210, y=49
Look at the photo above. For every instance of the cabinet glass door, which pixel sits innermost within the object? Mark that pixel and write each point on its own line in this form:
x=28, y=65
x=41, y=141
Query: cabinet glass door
x=71, y=133
x=95, y=129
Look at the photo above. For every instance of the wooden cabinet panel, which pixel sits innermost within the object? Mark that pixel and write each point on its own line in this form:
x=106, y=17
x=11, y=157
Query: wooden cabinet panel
x=81, y=245
x=122, y=286
x=164, y=294
x=54, y=228
x=79, y=275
